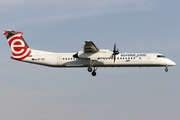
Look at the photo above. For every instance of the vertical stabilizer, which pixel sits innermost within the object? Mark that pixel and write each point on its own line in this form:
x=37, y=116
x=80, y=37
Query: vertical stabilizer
x=17, y=44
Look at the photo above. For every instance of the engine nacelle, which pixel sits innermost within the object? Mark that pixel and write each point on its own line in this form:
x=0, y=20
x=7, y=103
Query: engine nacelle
x=101, y=54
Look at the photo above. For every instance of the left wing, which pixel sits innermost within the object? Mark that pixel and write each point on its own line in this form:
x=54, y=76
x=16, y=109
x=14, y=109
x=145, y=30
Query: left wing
x=90, y=47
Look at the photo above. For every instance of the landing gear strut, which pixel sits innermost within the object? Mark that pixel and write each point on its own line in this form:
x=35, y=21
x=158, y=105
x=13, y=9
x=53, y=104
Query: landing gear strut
x=92, y=62
x=166, y=69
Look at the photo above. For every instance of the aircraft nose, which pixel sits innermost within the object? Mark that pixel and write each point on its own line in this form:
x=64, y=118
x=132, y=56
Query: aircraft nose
x=171, y=63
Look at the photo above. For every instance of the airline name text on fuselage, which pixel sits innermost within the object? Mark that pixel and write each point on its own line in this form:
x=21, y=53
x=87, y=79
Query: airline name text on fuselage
x=131, y=55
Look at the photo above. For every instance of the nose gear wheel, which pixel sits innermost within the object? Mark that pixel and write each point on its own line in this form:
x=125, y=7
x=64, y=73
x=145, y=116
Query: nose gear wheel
x=166, y=69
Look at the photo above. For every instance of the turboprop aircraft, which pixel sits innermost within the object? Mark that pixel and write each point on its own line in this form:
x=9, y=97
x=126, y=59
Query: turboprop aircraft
x=91, y=57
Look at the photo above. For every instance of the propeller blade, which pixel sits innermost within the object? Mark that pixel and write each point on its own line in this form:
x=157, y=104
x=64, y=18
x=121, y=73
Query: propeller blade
x=114, y=58
x=114, y=47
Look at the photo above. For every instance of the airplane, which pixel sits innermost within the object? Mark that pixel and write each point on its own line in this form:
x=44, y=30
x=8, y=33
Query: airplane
x=91, y=57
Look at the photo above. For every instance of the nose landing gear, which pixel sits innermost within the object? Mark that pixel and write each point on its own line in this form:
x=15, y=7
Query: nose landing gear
x=166, y=70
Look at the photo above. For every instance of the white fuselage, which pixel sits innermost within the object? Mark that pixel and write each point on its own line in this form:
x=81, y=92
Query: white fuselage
x=122, y=60
x=90, y=56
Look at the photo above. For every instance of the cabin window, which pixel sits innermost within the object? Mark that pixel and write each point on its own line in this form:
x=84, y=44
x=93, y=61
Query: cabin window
x=139, y=57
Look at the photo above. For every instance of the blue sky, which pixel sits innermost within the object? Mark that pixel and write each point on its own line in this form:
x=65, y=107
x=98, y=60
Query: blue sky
x=41, y=93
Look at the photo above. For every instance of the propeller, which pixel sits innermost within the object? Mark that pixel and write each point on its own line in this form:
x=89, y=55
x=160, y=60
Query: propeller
x=115, y=52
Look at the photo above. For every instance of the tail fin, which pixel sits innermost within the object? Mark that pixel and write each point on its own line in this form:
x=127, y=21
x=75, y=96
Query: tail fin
x=17, y=44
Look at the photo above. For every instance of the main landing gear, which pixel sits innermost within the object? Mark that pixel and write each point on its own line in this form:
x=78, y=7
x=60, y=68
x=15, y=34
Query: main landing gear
x=94, y=71
x=166, y=69
x=89, y=69
x=92, y=62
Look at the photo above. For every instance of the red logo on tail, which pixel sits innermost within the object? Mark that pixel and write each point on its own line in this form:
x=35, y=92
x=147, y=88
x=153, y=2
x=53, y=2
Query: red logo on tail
x=18, y=47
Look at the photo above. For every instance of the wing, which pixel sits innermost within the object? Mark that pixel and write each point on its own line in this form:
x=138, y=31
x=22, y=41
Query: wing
x=90, y=47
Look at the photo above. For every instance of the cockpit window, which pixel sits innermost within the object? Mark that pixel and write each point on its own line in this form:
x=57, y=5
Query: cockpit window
x=161, y=56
